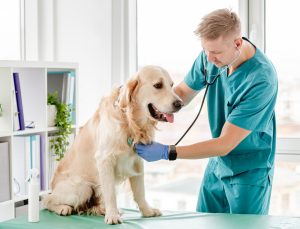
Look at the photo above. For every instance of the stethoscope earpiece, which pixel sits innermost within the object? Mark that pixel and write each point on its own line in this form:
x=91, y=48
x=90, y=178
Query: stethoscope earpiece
x=214, y=77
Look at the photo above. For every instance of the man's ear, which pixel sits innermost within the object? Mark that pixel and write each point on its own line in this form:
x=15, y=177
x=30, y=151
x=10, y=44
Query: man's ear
x=127, y=94
x=238, y=42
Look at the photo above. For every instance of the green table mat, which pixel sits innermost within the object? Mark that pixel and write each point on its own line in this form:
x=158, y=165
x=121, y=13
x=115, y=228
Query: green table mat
x=174, y=220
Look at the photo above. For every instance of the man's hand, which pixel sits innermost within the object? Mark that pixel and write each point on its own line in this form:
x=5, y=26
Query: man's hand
x=152, y=152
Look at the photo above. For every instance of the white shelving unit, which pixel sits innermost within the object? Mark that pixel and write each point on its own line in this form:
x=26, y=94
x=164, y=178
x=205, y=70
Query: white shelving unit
x=35, y=81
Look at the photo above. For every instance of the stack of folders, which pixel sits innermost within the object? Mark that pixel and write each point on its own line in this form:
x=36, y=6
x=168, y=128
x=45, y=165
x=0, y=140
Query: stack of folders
x=28, y=154
x=4, y=172
x=64, y=84
x=68, y=90
x=19, y=123
x=52, y=165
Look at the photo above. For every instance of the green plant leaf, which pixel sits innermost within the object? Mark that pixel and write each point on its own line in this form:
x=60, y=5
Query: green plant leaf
x=63, y=123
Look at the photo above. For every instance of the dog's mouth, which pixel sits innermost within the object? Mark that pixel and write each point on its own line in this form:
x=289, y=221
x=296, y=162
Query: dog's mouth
x=160, y=116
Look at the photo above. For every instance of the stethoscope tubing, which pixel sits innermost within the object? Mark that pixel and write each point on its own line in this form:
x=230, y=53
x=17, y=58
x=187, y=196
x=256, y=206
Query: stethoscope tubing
x=215, y=77
x=199, y=112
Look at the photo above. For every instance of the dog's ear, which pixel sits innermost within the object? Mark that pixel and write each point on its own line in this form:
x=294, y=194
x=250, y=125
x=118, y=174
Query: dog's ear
x=131, y=88
x=128, y=92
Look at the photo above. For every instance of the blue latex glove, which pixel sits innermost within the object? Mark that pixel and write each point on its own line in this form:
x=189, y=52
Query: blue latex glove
x=152, y=152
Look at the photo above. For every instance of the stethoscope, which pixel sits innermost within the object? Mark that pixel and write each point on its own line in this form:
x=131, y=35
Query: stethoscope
x=208, y=83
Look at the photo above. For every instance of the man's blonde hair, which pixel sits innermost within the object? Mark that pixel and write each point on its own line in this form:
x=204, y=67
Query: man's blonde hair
x=222, y=22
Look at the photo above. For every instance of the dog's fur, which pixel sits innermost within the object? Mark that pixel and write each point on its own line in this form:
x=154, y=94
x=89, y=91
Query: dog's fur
x=101, y=156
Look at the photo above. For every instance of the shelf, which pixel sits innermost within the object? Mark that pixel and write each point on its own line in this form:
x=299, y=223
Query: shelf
x=5, y=133
x=53, y=129
x=30, y=148
x=37, y=64
x=25, y=197
x=20, y=198
x=6, y=202
x=28, y=131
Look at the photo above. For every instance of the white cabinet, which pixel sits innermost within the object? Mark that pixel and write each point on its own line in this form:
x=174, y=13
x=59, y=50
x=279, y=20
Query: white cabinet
x=37, y=79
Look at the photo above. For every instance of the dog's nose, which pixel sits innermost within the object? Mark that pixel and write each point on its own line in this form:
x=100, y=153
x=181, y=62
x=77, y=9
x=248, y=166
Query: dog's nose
x=177, y=104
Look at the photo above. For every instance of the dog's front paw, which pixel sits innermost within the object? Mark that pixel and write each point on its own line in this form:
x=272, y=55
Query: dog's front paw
x=113, y=218
x=150, y=212
x=63, y=210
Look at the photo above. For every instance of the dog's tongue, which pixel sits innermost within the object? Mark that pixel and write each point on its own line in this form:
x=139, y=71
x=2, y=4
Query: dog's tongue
x=169, y=117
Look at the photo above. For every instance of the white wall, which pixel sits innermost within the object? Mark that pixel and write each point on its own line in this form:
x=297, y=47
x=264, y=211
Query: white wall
x=82, y=34
x=99, y=35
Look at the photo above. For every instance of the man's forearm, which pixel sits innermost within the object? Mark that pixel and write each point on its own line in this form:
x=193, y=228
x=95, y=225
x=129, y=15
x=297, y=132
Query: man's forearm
x=230, y=137
x=205, y=149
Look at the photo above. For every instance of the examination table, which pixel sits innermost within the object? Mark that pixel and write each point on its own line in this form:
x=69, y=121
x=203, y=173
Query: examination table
x=174, y=220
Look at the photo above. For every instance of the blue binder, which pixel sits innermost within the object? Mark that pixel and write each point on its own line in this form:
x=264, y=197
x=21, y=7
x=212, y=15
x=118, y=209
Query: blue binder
x=19, y=100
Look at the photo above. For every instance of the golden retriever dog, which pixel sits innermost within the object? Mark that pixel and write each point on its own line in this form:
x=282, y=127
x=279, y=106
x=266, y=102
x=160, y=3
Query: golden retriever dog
x=103, y=155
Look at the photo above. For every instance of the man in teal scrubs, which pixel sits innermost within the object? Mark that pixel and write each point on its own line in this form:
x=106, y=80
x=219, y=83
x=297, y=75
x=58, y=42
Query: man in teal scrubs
x=238, y=177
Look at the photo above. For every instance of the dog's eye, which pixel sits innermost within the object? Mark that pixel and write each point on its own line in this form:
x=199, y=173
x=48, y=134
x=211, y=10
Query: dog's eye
x=158, y=85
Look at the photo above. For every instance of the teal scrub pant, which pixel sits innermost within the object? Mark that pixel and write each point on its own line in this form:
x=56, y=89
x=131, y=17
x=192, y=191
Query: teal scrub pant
x=224, y=196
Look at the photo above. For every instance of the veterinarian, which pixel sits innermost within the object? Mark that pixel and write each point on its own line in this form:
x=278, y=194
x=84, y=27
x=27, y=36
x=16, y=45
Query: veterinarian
x=241, y=99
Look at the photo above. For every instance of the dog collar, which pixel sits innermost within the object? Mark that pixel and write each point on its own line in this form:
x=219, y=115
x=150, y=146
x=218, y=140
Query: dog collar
x=130, y=141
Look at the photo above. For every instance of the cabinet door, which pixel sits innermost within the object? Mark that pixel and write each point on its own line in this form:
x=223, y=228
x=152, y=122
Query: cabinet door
x=7, y=210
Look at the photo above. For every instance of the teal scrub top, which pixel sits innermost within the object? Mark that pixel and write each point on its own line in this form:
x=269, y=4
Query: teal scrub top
x=246, y=99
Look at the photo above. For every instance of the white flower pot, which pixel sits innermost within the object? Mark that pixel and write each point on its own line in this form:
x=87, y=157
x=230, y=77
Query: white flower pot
x=51, y=109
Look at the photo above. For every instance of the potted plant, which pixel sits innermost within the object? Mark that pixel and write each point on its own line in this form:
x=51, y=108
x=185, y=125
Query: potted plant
x=63, y=123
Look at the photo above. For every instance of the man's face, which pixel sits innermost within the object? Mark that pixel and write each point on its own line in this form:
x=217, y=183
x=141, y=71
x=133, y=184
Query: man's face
x=220, y=51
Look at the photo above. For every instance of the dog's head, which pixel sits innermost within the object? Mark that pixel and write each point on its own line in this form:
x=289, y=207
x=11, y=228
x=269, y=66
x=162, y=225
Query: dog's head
x=150, y=94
